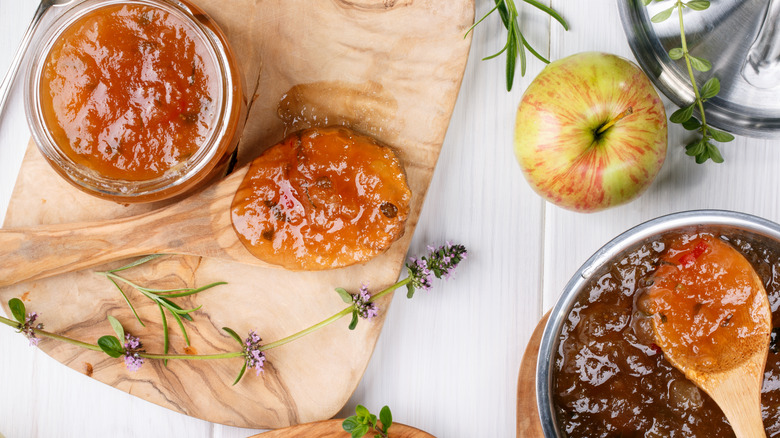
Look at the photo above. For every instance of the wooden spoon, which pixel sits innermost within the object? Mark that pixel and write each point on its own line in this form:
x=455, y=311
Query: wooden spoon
x=333, y=429
x=198, y=225
x=711, y=318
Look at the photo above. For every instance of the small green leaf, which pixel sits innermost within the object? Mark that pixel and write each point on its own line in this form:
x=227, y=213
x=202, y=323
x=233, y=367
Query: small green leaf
x=17, y=309
x=682, y=115
x=702, y=157
x=720, y=136
x=647, y=2
x=140, y=261
x=695, y=148
x=714, y=153
x=691, y=124
x=409, y=290
x=354, y=322
x=362, y=412
x=240, y=374
x=698, y=5
x=360, y=431
x=676, y=53
x=386, y=417
x=711, y=88
x=117, y=326
x=111, y=346
x=166, y=340
x=663, y=15
x=345, y=296
x=511, y=59
x=700, y=64
x=350, y=423
x=234, y=335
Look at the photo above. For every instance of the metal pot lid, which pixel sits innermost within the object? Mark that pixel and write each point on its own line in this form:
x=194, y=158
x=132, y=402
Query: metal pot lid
x=741, y=38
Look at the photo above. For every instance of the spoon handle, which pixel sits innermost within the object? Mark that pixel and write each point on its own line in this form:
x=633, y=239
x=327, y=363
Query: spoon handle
x=739, y=396
x=8, y=80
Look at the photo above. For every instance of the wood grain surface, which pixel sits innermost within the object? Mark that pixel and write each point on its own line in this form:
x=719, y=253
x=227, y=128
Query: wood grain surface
x=333, y=429
x=351, y=66
x=528, y=423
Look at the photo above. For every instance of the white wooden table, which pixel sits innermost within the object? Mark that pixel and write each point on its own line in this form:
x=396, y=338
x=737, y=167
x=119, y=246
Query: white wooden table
x=447, y=361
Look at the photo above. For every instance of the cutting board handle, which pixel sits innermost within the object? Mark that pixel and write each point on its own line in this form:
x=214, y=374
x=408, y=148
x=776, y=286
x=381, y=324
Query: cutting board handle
x=34, y=253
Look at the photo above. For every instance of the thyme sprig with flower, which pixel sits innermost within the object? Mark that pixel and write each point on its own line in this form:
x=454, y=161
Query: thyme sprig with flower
x=161, y=297
x=701, y=148
x=439, y=263
x=515, y=41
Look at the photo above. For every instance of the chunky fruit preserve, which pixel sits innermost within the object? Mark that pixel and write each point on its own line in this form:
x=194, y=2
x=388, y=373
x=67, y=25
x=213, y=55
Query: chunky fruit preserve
x=611, y=379
x=322, y=198
x=129, y=91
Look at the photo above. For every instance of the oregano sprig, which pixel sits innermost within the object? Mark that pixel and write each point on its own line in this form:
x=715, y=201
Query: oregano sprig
x=364, y=422
x=516, y=44
x=702, y=148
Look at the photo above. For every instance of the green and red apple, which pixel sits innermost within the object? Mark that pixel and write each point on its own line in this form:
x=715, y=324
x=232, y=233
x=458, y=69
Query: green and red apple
x=590, y=132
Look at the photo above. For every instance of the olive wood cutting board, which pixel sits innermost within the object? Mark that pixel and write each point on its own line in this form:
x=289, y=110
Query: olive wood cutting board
x=528, y=424
x=388, y=68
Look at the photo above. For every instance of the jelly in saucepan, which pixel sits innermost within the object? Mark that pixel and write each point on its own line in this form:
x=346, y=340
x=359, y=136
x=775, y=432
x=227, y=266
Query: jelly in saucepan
x=321, y=199
x=611, y=379
x=129, y=91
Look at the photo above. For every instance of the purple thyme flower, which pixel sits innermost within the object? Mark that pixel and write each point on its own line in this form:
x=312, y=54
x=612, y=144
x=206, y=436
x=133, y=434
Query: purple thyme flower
x=254, y=357
x=440, y=262
x=364, y=307
x=29, y=327
x=132, y=347
x=421, y=275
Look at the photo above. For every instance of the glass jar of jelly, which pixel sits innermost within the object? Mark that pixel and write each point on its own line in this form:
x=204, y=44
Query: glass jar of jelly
x=135, y=100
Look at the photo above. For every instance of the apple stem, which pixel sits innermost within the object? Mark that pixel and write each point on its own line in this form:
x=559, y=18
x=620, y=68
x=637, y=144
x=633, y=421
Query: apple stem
x=615, y=120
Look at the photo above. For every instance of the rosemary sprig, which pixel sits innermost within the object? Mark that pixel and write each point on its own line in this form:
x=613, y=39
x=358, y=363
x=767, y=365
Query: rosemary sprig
x=515, y=41
x=702, y=148
x=161, y=297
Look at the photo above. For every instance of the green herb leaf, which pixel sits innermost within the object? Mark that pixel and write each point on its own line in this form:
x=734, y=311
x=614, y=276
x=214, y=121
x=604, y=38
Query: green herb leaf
x=111, y=346
x=360, y=431
x=166, y=340
x=698, y=5
x=647, y=2
x=550, y=12
x=140, y=261
x=117, y=326
x=691, y=124
x=409, y=290
x=511, y=57
x=714, y=153
x=682, y=114
x=354, y=322
x=720, y=136
x=362, y=411
x=345, y=296
x=386, y=417
x=350, y=423
x=710, y=89
x=663, y=15
x=17, y=310
x=127, y=301
x=676, y=53
x=240, y=374
x=700, y=64
x=234, y=335
x=191, y=291
x=695, y=148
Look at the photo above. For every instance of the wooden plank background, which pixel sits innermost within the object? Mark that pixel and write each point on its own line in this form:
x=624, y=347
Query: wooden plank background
x=447, y=361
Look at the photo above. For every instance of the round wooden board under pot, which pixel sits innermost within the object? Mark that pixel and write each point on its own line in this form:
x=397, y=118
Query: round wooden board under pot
x=333, y=429
x=528, y=424
x=350, y=66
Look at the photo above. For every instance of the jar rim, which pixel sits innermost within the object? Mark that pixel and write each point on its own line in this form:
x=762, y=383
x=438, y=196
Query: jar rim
x=172, y=181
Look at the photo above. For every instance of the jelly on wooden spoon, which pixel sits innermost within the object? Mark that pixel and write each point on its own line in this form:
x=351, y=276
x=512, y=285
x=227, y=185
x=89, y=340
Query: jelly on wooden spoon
x=711, y=318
